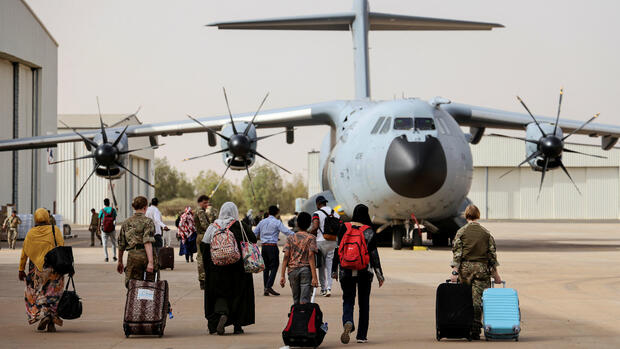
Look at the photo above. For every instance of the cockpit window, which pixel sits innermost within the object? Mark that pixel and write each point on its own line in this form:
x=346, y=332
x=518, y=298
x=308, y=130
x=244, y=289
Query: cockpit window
x=403, y=123
x=377, y=125
x=386, y=125
x=424, y=124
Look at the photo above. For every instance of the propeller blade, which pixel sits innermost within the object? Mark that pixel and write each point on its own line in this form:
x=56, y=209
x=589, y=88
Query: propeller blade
x=202, y=156
x=145, y=148
x=578, y=152
x=569, y=177
x=112, y=188
x=532, y=115
x=220, y=181
x=542, y=177
x=582, y=126
x=83, y=185
x=119, y=164
x=118, y=139
x=247, y=128
x=511, y=137
x=89, y=156
x=229, y=112
x=105, y=137
x=208, y=129
x=524, y=161
x=89, y=142
x=282, y=168
x=247, y=169
x=271, y=135
x=557, y=119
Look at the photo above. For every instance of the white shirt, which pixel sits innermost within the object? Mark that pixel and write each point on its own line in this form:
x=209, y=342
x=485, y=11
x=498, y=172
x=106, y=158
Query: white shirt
x=153, y=213
x=326, y=211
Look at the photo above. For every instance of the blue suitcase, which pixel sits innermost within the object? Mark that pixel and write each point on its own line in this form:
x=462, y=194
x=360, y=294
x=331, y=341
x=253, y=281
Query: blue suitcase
x=502, y=316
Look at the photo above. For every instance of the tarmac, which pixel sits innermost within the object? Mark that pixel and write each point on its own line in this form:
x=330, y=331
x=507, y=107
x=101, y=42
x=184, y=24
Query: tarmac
x=567, y=276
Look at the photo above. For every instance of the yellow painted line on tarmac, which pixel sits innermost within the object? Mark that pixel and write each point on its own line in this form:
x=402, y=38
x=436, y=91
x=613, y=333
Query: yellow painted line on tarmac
x=420, y=248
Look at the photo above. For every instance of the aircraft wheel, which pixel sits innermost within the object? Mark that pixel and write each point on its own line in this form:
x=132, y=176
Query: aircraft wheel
x=397, y=238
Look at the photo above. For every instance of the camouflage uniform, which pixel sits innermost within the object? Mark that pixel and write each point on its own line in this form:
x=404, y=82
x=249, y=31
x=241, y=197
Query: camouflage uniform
x=135, y=232
x=475, y=255
x=202, y=223
x=11, y=224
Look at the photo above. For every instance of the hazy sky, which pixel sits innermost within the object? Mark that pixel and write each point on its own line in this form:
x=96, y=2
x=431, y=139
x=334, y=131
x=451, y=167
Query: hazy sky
x=158, y=54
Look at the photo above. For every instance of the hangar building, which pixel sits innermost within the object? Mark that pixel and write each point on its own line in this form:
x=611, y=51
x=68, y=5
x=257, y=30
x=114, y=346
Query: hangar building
x=72, y=174
x=515, y=197
x=28, y=96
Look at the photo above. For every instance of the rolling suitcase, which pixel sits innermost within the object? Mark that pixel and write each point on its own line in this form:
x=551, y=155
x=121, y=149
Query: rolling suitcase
x=146, y=307
x=502, y=316
x=166, y=258
x=305, y=327
x=454, y=311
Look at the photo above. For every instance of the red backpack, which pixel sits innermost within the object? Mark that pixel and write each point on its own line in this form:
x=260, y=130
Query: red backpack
x=352, y=250
x=107, y=225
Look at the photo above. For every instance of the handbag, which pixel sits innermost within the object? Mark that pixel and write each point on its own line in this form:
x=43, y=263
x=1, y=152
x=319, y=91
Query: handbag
x=60, y=258
x=252, y=259
x=70, y=305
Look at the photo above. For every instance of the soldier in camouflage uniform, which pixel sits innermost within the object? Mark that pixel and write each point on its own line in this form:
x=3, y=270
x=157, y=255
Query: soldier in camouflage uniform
x=474, y=262
x=137, y=236
x=11, y=223
x=202, y=223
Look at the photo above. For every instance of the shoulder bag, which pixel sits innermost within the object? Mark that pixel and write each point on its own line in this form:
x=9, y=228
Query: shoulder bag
x=60, y=258
x=252, y=259
x=70, y=305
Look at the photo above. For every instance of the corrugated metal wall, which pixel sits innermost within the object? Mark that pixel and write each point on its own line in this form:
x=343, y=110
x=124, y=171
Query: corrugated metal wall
x=6, y=132
x=515, y=196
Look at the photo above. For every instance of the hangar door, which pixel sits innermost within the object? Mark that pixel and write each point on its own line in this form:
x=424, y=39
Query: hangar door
x=515, y=196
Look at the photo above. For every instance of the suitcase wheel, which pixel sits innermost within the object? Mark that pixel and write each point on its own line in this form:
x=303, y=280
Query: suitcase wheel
x=171, y=268
x=438, y=336
x=160, y=331
x=127, y=331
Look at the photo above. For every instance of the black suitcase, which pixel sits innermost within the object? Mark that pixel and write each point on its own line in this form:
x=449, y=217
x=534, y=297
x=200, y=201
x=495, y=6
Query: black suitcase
x=166, y=258
x=305, y=326
x=454, y=311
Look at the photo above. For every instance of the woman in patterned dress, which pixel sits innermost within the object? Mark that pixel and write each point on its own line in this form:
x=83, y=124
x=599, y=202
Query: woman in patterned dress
x=44, y=286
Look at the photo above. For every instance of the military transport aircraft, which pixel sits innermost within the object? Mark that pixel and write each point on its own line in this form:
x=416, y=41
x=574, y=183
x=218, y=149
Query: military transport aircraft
x=398, y=157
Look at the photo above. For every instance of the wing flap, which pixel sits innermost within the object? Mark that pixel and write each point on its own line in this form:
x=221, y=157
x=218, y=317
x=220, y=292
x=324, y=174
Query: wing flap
x=337, y=21
x=388, y=21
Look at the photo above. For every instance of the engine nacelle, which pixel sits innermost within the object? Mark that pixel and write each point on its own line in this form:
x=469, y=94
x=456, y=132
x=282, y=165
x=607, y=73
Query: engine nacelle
x=241, y=148
x=533, y=133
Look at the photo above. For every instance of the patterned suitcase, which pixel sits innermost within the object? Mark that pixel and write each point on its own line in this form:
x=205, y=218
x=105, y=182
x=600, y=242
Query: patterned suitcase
x=166, y=258
x=502, y=316
x=146, y=307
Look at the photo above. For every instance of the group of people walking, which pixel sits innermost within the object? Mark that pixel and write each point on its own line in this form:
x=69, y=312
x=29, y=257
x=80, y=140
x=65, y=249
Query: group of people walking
x=311, y=258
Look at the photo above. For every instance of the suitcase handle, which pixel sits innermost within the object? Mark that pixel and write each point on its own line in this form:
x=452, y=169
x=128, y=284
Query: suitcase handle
x=153, y=273
x=448, y=281
x=493, y=284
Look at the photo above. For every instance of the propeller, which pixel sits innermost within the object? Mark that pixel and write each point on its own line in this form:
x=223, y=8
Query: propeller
x=106, y=155
x=550, y=146
x=239, y=144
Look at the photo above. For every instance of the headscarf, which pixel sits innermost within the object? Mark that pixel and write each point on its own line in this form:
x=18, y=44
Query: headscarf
x=39, y=240
x=228, y=213
x=249, y=214
x=187, y=227
x=360, y=215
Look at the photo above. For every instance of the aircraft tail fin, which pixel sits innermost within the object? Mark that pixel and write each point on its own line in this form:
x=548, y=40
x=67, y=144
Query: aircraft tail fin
x=359, y=21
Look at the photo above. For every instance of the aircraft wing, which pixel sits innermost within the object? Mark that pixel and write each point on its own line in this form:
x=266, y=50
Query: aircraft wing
x=307, y=115
x=475, y=116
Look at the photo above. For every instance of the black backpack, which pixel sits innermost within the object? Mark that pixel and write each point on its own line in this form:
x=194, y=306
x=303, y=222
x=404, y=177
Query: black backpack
x=70, y=305
x=331, y=226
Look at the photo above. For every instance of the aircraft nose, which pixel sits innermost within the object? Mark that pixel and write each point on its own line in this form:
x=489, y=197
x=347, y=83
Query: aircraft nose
x=415, y=169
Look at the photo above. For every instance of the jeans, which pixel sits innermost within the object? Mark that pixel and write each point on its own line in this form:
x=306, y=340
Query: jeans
x=104, y=241
x=363, y=282
x=271, y=257
x=325, y=271
x=301, y=284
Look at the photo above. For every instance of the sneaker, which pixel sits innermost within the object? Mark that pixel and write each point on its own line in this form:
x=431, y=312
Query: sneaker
x=114, y=259
x=328, y=293
x=221, y=325
x=106, y=260
x=346, y=334
x=323, y=292
x=362, y=340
